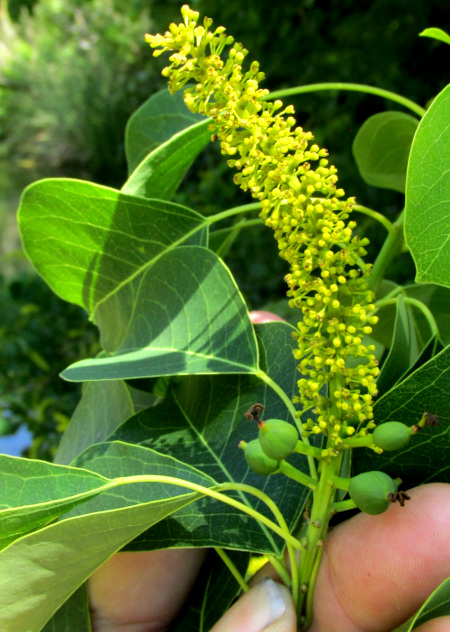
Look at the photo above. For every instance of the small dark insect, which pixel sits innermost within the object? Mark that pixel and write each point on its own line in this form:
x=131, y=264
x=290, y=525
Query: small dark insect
x=254, y=412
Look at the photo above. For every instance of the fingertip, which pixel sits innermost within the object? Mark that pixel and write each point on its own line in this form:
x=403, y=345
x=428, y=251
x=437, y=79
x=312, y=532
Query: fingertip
x=267, y=607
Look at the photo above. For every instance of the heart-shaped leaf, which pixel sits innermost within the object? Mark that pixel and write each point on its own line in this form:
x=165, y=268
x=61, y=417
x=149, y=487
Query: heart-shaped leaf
x=381, y=149
x=202, y=422
x=160, y=173
x=86, y=240
x=187, y=317
x=427, y=214
x=154, y=123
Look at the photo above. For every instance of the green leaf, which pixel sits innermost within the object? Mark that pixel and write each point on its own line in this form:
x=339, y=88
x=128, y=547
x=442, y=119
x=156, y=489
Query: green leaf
x=437, y=34
x=427, y=214
x=437, y=605
x=102, y=408
x=34, y=493
x=87, y=240
x=188, y=317
x=161, y=172
x=426, y=458
x=154, y=123
x=437, y=299
x=381, y=149
x=404, y=349
x=73, y=615
x=201, y=423
x=84, y=542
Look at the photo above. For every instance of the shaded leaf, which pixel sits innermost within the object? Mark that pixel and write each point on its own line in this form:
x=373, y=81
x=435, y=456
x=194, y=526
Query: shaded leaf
x=201, y=422
x=86, y=240
x=437, y=299
x=102, y=408
x=404, y=349
x=381, y=149
x=34, y=493
x=426, y=458
x=427, y=214
x=188, y=317
x=63, y=555
x=154, y=123
x=73, y=615
x=160, y=173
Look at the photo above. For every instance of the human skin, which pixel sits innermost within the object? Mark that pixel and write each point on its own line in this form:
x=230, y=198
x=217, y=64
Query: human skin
x=375, y=573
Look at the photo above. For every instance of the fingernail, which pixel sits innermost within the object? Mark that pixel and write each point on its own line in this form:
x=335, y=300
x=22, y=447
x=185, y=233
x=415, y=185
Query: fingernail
x=268, y=603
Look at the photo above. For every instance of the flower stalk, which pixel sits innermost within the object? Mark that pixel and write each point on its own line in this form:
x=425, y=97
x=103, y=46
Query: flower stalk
x=328, y=282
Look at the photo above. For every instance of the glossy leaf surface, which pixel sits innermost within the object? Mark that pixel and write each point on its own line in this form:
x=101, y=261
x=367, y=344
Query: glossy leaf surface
x=427, y=210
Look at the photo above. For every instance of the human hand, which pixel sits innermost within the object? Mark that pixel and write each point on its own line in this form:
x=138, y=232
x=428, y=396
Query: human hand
x=376, y=571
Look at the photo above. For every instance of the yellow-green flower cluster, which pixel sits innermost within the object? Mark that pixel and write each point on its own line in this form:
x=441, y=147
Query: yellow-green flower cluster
x=302, y=204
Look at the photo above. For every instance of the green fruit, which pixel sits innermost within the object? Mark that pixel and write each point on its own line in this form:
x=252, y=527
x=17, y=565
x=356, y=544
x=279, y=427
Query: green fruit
x=278, y=438
x=257, y=461
x=369, y=491
x=392, y=435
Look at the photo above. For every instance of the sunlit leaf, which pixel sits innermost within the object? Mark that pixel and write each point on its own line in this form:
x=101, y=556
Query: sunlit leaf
x=188, y=317
x=427, y=210
x=86, y=240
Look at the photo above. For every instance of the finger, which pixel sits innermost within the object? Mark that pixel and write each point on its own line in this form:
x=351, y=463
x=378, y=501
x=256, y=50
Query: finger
x=267, y=607
x=378, y=570
x=441, y=624
x=260, y=316
x=142, y=589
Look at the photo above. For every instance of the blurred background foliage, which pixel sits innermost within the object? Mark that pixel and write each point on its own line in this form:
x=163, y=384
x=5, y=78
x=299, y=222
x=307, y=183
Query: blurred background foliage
x=71, y=74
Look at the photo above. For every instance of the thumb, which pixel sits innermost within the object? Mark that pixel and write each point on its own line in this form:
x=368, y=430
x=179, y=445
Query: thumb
x=267, y=607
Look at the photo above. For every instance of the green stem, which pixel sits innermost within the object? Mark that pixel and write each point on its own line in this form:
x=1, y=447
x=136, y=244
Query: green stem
x=232, y=568
x=297, y=475
x=353, y=87
x=343, y=505
x=281, y=529
x=359, y=442
x=388, y=251
x=389, y=226
x=262, y=375
x=415, y=303
x=236, y=210
x=321, y=513
x=281, y=569
x=308, y=450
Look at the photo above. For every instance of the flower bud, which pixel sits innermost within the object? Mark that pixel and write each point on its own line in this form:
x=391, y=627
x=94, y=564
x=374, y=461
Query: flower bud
x=391, y=435
x=370, y=490
x=278, y=438
x=257, y=461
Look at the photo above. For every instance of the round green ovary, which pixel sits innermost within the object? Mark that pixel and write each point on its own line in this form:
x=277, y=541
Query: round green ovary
x=369, y=491
x=278, y=438
x=257, y=461
x=392, y=435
